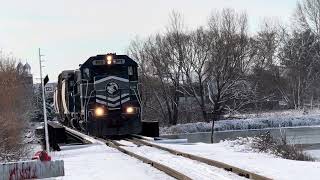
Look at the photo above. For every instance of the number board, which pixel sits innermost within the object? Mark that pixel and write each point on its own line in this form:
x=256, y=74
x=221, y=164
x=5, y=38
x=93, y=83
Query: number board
x=119, y=61
x=103, y=62
x=98, y=62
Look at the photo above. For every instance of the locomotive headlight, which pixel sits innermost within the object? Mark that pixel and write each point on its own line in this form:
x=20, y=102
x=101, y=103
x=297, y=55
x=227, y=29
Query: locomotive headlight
x=99, y=111
x=130, y=110
x=109, y=59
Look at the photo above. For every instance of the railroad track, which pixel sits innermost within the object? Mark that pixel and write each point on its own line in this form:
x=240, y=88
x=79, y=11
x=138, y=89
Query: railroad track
x=173, y=172
x=177, y=173
x=236, y=170
x=114, y=144
x=77, y=137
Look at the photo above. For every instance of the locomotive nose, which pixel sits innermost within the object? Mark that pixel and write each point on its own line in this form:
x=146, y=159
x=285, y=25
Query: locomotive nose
x=102, y=96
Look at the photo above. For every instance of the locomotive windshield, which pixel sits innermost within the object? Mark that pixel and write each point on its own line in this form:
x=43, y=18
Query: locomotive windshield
x=119, y=70
x=110, y=70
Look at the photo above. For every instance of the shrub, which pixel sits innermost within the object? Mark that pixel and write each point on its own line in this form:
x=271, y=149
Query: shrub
x=279, y=147
x=13, y=112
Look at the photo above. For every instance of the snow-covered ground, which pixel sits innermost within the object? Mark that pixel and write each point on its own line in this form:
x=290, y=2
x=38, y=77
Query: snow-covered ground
x=97, y=161
x=249, y=121
x=244, y=157
x=289, y=112
x=192, y=169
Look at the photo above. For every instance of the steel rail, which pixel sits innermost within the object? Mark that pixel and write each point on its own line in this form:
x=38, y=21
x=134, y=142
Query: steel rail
x=236, y=170
x=111, y=143
x=76, y=136
x=171, y=172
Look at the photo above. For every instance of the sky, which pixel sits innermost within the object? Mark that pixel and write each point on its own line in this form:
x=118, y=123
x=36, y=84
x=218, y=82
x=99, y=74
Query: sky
x=70, y=31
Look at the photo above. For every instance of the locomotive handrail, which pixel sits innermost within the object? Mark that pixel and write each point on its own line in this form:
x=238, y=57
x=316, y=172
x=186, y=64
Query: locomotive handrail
x=87, y=83
x=139, y=99
x=138, y=96
x=86, y=107
x=87, y=88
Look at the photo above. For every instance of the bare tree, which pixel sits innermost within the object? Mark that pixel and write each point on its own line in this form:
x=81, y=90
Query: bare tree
x=229, y=60
x=299, y=56
x=308, y=15
x=166, y=54
x=222, y=62
x=194, y=67
x=265, y=44
x=265, y=75
x=12, y=111
x=149, y=84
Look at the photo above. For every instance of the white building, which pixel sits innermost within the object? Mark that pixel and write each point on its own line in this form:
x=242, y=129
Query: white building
x=49, y=89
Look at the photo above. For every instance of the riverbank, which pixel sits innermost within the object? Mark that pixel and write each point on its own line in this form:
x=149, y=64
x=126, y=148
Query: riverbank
x=243, y=156
x=248, y=122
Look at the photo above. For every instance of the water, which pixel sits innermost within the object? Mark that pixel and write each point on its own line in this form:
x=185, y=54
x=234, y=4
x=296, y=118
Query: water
x=308, y=136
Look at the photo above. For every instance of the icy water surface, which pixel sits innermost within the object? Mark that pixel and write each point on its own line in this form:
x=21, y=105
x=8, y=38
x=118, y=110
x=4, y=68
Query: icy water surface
x=309, y=136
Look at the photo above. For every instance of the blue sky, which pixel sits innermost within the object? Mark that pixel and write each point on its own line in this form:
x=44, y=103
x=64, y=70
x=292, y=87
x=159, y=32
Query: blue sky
x=70, y=31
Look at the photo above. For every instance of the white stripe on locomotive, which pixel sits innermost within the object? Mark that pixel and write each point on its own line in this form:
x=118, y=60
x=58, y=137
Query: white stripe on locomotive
x=111, y=77
x=112, y=99
x=111, y=104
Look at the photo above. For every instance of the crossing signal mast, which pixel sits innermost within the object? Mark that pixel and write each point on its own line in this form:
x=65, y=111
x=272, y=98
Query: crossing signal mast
x=43, y=83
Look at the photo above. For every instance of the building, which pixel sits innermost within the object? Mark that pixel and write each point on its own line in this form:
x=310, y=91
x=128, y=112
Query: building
x=25, y=72
x=49, y=90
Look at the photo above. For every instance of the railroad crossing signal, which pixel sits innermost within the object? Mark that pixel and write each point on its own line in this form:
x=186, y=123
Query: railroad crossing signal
x=45, y=80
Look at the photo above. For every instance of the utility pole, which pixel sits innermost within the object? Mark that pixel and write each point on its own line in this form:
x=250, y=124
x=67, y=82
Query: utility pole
x=44, y=107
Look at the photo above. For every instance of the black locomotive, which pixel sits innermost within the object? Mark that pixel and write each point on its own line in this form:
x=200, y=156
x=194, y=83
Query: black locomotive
x=101, y=97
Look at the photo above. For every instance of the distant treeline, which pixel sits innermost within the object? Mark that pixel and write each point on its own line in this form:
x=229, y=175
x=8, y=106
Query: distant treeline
x=220, y=68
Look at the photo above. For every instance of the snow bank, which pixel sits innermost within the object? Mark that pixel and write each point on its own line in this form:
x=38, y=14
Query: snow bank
x=242, y=124
x=314, y=153
x=290, y=112
x=243, y=156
